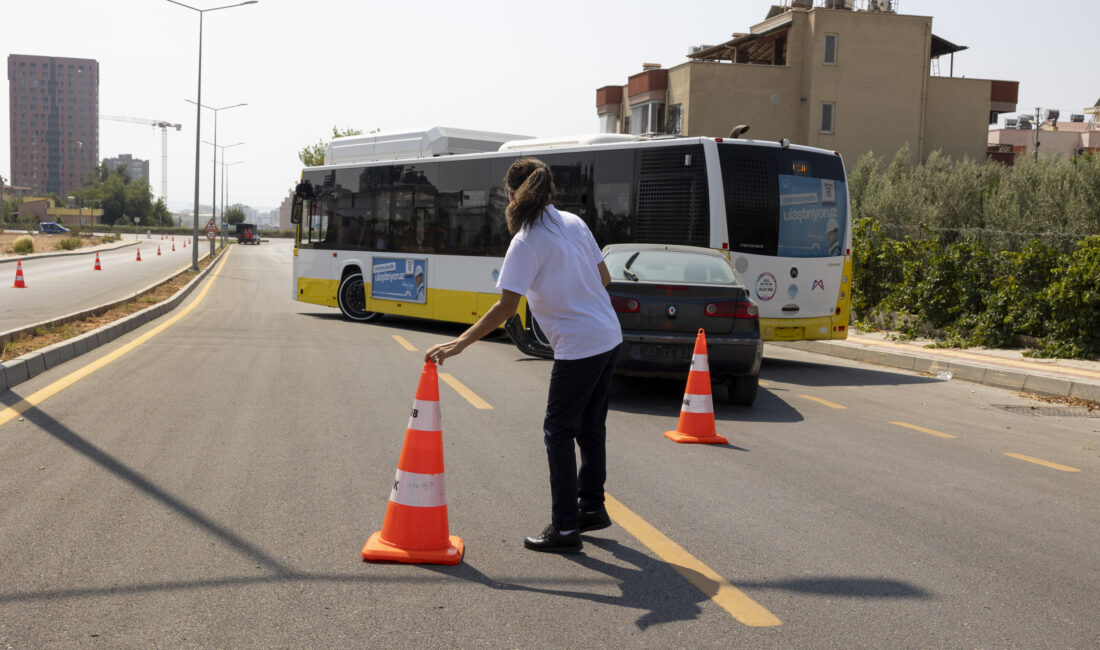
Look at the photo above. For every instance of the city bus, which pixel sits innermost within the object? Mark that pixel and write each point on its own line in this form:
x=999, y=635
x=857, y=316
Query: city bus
x=420, y=231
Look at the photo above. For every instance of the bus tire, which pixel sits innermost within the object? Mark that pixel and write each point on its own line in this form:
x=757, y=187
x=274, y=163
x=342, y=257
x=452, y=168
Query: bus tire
x=352, y=299
x=742, y=389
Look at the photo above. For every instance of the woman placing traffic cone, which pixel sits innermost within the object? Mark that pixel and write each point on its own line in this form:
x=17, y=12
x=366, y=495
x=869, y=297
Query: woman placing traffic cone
x=554, y=260
x=697, y=413
x=415, y=529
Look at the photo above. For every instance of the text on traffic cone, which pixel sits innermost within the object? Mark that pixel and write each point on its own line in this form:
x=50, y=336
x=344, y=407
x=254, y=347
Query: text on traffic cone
x=19, y=283
x=697, y=412
x=415, y=529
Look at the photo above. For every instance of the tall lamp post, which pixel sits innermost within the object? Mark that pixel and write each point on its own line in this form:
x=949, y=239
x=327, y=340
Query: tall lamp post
x=225, y=180
x=214, y=171
x=198, y=122
x=223, y=147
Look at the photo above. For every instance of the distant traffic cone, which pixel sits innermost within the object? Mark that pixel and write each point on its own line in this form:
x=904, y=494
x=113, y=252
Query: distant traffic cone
x=19, y=283
x=158, y=250
x=173, y=247
x=97, y=266
x=415, y=528
x=139, y=255
x=697, y=413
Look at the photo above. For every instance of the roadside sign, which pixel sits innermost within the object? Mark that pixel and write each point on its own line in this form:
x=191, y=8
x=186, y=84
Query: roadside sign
x=210, y=224
x=210, y=234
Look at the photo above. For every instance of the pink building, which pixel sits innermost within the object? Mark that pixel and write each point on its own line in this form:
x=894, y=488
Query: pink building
x=1067, y=139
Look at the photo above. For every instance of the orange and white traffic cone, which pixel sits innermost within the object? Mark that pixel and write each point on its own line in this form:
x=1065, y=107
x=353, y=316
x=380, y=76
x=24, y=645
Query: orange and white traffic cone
x=158, y=250
x=697, y=413
x=97, y=266
x=415, y=528
x=173, y=247
x=139, y=255
x=19, y=283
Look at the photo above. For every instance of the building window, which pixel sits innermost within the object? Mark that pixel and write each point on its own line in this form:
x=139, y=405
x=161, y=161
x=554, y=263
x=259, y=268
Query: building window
x=830, y=49
x=828, y=116
x=648, y=118
x=675, y=119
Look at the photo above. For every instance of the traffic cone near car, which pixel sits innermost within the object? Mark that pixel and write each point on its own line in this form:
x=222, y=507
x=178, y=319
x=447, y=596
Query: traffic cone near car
x=697, y=413
x=415, y=529
x=97, y=266
x=19, y=283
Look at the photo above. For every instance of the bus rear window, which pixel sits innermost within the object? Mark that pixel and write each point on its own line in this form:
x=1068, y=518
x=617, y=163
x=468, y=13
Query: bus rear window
x=783, y=202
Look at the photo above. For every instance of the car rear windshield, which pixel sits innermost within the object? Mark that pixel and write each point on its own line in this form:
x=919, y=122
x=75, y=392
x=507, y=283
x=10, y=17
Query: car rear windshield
x=669, y=266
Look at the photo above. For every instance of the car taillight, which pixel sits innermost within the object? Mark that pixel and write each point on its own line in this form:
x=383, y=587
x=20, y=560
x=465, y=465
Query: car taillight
x=733, y=309
x=628, y=305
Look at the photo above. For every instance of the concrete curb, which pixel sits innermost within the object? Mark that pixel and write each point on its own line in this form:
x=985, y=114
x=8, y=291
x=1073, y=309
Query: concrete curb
x=21, y=369
x=990, y=375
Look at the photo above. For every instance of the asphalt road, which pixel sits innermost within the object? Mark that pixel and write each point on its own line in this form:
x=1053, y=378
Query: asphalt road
x=65, y=284
x=211, y=481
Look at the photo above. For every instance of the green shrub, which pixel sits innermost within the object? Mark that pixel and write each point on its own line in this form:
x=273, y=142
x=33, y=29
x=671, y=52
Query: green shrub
x=1074, y=302
x=70, y=243
x=23, y=245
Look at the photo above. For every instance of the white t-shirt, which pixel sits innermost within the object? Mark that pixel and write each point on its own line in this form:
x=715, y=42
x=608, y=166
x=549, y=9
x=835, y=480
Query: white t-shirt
x=555, y=264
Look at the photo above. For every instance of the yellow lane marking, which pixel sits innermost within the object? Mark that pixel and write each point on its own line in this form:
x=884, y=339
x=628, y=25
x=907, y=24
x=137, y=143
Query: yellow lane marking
x=832, y=405
x=56, y=387
x=1044, y=463
x=930, y=432
x=405, y=344
x=765, y=384
x=461, y=389
x=730, y=598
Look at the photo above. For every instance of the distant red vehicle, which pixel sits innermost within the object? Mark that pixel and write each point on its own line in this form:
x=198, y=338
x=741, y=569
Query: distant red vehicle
x=247, y=233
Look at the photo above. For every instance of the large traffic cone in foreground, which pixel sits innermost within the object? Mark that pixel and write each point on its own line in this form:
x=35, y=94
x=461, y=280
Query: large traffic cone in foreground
x=139, y=255
x=19, y=283
x=415, y=528
x=697, y=414
x=97, y=266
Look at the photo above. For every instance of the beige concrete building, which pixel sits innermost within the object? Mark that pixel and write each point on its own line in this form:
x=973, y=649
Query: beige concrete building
x=848, y=75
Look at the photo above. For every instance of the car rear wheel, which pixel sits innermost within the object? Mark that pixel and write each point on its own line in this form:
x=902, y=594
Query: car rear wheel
x=352, y=299
x=742, y=389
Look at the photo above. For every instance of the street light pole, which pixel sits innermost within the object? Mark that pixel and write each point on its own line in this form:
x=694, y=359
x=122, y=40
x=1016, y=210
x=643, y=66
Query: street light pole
x=223, y=148
x=198, y=123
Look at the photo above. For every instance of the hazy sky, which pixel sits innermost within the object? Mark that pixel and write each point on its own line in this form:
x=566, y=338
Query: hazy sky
x=530, y=68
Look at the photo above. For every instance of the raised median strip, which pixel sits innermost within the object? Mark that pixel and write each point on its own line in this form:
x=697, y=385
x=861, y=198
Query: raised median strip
x=1042, y=381
x=31, y=364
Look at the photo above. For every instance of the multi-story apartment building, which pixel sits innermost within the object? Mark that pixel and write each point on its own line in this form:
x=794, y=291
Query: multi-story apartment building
x=135, y=167
x=848, y=75
x=54, y=119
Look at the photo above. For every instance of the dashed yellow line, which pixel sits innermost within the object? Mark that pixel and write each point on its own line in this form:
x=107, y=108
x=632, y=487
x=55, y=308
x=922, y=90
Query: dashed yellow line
x=730, y=598
x=931, y=432
x=468, y=394
x=405, y=344
x=832, y=405
x=1044, y=463
x=41, y=395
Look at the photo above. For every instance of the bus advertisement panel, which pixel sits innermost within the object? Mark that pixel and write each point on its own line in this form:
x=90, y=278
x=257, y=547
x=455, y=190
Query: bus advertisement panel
x=811, y=220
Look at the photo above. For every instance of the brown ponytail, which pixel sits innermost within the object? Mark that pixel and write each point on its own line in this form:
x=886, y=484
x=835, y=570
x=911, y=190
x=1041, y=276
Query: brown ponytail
x=532, y=188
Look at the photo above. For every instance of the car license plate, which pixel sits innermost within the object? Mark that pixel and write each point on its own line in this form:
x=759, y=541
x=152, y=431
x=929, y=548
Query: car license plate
x=664, y=352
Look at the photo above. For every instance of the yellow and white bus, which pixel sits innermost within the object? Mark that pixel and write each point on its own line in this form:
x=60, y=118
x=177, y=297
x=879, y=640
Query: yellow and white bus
x=423, y=233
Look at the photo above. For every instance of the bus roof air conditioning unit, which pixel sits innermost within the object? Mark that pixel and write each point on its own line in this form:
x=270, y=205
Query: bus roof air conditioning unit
x=437, y=141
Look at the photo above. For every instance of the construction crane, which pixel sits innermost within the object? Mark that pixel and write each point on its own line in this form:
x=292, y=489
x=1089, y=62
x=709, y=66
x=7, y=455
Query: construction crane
x=163, y=145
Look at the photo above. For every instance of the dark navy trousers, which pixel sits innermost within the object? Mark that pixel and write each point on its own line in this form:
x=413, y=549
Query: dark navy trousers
x=576, y=410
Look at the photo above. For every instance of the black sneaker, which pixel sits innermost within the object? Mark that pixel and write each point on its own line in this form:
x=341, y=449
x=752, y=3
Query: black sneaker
x=551, y=541
x=590, y=521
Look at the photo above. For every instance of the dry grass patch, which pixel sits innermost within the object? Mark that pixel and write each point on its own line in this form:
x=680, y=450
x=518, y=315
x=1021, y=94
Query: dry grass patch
x=45, y=243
